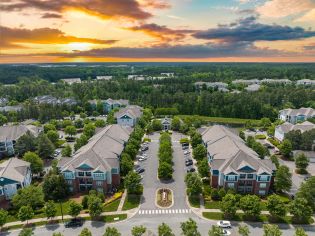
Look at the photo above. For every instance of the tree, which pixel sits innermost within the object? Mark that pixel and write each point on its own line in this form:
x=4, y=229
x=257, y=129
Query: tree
x=283, y=181
x=66, y=151
x=50, y=209
x=25, y=213
x=89, y=130
x=229, y=206
x=250, y=204
x=300, y=210
x=195, y=139
x=85, y=232
x=53, y=136
x=175, y=124
x=200, y=152
x=95, y=206
x=275, y=161
x=133, y=183
x=45, y=147
x=26, y=232
x=3, y=217
x=307, y=191
x=100, y=123
x=193, y=183
x=300, y=232
x=243, y=230
x=215, y=231
x=78, y=123
x=49, y=127
x=157, y=125
x=126, y=164
x=29, y=196
x=265, y=122
x=25, y=143
x=301, y=163
x=165, y=230
x=111, y=231
x=286, y=148
x=138, y=230
x=189, y=228
x=55, y=187
x=57, y=234
x=165, y=170
x=71, y=130
x=74, y=209
x=203, y=168
x=271, y=230
x=3, y=120
x=37, y=164
x=276, y=206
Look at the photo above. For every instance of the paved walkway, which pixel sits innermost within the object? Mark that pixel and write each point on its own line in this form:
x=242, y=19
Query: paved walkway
x=122, y=201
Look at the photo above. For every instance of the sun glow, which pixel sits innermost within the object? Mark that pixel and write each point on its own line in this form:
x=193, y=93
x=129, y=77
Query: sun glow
x=78, y=46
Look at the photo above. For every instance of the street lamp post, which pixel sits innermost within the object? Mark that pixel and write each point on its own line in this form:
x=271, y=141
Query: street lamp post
x=61, y=211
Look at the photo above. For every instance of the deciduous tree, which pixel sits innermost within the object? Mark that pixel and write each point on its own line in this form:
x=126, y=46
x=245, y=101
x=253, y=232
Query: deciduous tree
x=190, y=228
x=37, y=164
x=283, y=181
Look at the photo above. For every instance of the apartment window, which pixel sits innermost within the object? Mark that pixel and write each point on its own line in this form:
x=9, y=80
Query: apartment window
x=231, y=178
x=262, y=185
x=99, y=183
x=100, y=190
x=242, y=176
x=230, y=185
x=114, y=171
x=68, y=175
x=71, y=189
x=89, y=181
x=250, y=176
x=88, y=173
x=1, y=191
x=264, y=178
x=69, y=182
x=80, y=173
x=249, y=189
x=262, y=192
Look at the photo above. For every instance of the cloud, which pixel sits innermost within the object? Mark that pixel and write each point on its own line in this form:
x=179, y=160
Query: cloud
x=283, y=8
x=162, y=32
x=239, y=49
x=308, y=17
x=51, y=15
x=13, y=37
x=156, y=4
x=100, y=8
x=249, y=30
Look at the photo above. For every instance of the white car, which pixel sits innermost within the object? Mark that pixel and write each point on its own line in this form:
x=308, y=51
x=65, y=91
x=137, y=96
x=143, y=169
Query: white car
x=224, y=224
x=226, y=232
x=186, y=152
x=142, y=158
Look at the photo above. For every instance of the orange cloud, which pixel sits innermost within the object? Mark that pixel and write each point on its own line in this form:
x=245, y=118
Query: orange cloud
x=101, y=8
x=13, y=37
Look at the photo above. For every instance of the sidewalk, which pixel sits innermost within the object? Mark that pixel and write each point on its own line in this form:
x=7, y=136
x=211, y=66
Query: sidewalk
x=129, y=213
x=122, y=201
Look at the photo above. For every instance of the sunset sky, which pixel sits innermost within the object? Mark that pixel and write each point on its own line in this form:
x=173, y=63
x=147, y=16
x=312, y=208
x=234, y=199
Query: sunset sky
x=33, y=31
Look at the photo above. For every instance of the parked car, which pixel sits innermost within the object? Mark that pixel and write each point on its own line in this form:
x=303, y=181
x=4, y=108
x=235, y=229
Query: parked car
x=189, y=163
x=76, y=222
x=185, y=147
x=142, y=158
x=186, y=152
x=140, y=170
x=144, y=148
x=191, y=169
x=224, y=224
x=226, y=232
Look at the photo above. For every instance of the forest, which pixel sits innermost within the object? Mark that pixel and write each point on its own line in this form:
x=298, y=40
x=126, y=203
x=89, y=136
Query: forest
x=174, y=95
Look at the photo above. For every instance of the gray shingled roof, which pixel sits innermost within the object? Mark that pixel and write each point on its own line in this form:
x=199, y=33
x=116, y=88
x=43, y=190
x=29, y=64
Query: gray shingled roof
x=132, y=111
x=102, y=151
x=230, y=152
x=305, y=126
x=14, y=169
x=301, y=111
x=14, y=132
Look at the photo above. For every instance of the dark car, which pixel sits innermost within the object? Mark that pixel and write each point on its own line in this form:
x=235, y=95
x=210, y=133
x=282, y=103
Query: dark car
x=77, y=222
x=140, y=170
x=185, y=147
x=189, y=163
x=144, y=148
x=192, y=169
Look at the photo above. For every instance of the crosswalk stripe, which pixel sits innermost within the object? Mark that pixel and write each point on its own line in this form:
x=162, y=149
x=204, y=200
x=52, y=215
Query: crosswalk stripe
x=164, y=211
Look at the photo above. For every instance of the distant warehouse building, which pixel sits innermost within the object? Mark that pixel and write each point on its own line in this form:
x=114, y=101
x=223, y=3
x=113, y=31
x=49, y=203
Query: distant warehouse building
x=96, y=165
x=233, y=165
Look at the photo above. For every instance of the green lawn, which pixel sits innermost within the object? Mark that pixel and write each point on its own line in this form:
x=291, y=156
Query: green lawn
x=213, y=215
x=212, y=204
x=223, y=120
x=131, y=201
x=113, y=206
x=194, y=201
